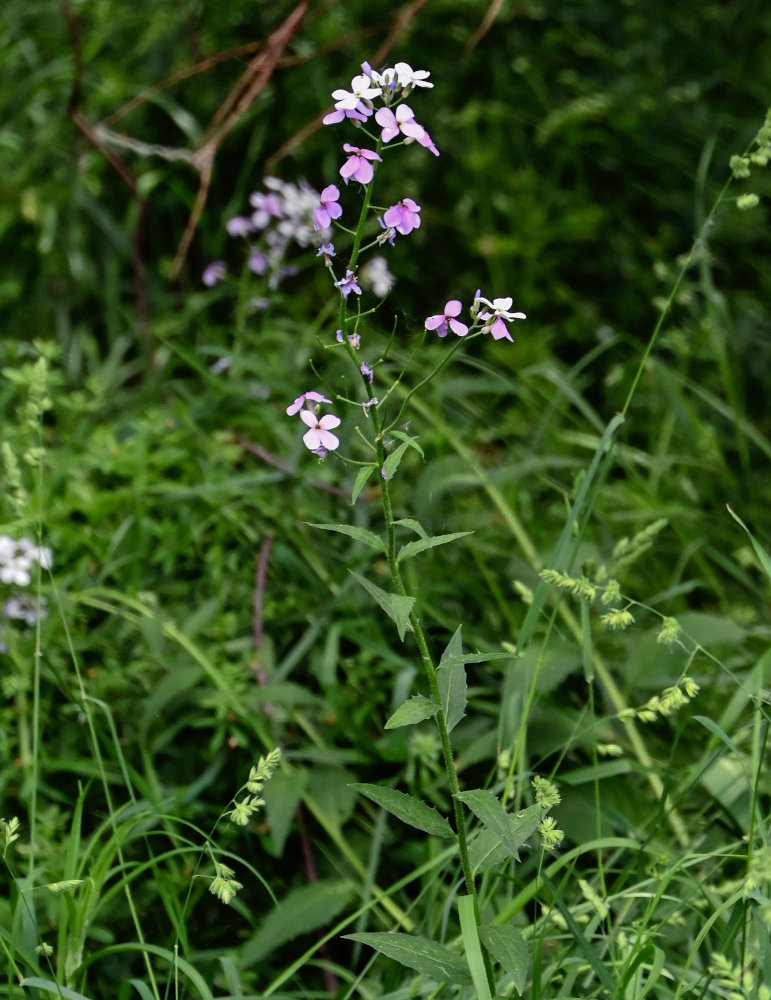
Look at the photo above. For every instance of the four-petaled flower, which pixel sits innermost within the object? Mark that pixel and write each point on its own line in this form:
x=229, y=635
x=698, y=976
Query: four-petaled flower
x=403, y=217
x=328, y=209
x=320, y=434
x=361, y=90
x=358, y=164
x=348, y=284
x=446, y=321
x=494, y=321
x=402, y=120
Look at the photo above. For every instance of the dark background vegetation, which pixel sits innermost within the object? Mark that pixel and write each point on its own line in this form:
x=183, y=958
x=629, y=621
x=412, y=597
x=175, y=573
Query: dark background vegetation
x=583, y=145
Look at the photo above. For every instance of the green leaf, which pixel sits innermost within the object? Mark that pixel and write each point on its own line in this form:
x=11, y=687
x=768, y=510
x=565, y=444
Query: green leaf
x=472, y=948
x=412, y=442
x=415, y=709
x=360, y=534
x=413, y=525
x=413, y=548
x=50, y=987
x=361, y=481
x=420, y=953
x=406, y=808
x=299, y=912
x=396, y=606
x=486, y=850
x=509, y=949
x=393, y=461
x=760, y=552
x=488, y=809
x=451, y=677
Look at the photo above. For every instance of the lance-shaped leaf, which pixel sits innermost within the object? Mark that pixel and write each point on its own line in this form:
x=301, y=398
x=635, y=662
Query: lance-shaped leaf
x=413, y=548
x=451, y=677
x=361, y=480
x=415, y=709
x=488, y=809
x=360, y=534
x=486, y=850
x=406, y=808
x=509, y=948
x=396, y=606
x=420, y=953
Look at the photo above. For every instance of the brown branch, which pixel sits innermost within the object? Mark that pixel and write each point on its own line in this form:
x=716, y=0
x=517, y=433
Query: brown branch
x=487, y=22
x=259, y=590
x=229, y=114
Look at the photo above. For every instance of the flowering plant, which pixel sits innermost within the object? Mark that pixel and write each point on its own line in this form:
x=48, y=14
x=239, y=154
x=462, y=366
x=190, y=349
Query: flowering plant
x=380, y=96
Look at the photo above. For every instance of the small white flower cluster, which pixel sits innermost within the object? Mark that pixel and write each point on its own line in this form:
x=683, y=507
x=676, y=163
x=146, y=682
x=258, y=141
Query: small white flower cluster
x=281, y=214
x=17, y=561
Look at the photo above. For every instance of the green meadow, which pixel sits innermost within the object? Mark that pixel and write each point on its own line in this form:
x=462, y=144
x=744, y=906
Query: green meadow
x=385, y=528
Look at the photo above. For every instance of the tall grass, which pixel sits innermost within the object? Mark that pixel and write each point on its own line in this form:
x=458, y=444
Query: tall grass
x=222, y=774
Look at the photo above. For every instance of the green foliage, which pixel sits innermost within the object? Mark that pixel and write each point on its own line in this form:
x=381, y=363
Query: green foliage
x=213, y=597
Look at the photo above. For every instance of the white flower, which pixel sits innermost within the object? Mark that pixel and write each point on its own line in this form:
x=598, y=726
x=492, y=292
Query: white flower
x=409, y=77
x=376, y=277
x=361, y=90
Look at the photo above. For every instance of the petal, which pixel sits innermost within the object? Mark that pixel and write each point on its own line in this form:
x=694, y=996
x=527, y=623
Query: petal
x=453, y=308
x=328, y=421
x=328, y=440
x=312, y=439
x=433, y=322
x=308, y=417
x=459, y=328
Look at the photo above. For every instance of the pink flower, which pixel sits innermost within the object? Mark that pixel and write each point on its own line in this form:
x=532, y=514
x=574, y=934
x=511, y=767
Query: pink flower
x=446, y=321
x=328, y=208
x=402, y=121
x=319, y=435
x=403, y=217
x=358, y=164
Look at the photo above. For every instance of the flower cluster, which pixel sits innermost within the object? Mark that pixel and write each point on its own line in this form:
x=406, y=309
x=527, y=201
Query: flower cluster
x=377, y=95
x=282, y=214
x=491, y=319
x=18, y=559
x=319, y=437
x=260, y=773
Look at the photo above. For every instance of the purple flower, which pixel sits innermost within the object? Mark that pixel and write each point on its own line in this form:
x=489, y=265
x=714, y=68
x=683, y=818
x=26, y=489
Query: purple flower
x=358, y=164
x=239, y=225
x=403, y=120
x=326, y=250
x=354, y=339
x=340, y=114
x=266, y=207
x=494, y=321
x=329, y=208
x=428, y=142
x=446, y=321
x=258, y=262
x=348, y=284
x=367, y=371
x=213, y=273
x=319, y=435
x=403, y=217
x=307, y=399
